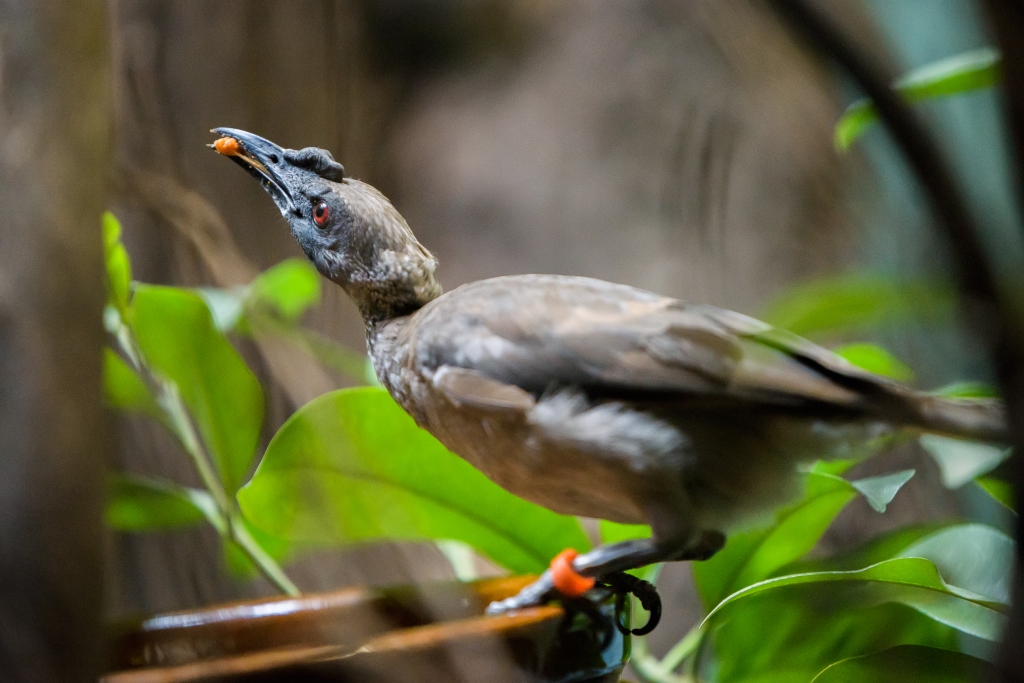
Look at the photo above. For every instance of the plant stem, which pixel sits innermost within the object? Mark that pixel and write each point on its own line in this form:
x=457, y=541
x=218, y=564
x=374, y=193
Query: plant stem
x=169, y=399
x=653, y=669
x=683, y=649
x=230, y=526
x=259, y=557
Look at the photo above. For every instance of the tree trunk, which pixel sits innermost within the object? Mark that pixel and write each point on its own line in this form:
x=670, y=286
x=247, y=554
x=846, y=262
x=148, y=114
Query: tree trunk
x=54, y=166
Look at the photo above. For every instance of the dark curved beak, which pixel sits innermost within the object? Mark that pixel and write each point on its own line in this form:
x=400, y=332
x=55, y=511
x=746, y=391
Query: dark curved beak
x=264, y=161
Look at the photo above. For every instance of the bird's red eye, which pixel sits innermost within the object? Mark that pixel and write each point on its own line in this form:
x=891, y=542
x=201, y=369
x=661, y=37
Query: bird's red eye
x=320, y=213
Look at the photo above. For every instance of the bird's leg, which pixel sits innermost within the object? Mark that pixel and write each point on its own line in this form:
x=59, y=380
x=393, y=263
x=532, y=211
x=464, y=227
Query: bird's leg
x=612, y=558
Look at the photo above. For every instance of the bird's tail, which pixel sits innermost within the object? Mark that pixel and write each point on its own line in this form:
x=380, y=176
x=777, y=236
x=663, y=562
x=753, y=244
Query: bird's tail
x=978, y=419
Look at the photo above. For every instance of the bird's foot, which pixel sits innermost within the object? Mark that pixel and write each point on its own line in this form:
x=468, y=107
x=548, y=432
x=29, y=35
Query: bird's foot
x=536, y=593
x=562, y=580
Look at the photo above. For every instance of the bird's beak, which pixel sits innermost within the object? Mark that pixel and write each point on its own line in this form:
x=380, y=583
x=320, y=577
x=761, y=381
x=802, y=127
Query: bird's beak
x=262, y=159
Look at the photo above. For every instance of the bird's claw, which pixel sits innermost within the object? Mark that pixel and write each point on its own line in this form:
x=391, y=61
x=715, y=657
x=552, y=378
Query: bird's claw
x=619, y=583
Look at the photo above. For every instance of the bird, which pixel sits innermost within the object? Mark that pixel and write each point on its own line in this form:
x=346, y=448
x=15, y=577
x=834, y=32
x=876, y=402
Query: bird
x=587, y=397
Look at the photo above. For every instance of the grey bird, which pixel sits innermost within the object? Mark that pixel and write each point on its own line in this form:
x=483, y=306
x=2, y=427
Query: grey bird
x=587, y=397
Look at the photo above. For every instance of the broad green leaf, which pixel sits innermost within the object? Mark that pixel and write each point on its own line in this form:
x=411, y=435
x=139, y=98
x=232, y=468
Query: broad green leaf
x=751, y=556
x=975, y=70
x=227, y=306
x=612, y=532
x=790, y=636
x=857, y=302
x=1000, y=490
x=879, y=491
x=962, y=461
x=290, y=288
x=352, y=466
x=910, y=581
x=178, y=338
x=883, y=547
x=967, y=390
x=124, y=389
x=974, y=557
x=461, y=558
x=119, y=268
x=834, y=467
x=908, y=664
x=877, y=360
x=144, y=504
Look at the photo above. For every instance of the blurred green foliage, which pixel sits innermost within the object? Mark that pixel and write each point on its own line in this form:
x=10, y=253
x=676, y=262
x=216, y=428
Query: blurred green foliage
x=856, y=303
x=907, y=664
x=975, y=70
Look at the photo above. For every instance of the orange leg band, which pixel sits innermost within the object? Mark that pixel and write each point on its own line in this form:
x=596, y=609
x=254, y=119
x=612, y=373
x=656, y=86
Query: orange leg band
x=567, y=580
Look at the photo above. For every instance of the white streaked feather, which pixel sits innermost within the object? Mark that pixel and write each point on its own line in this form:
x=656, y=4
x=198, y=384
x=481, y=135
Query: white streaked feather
x=645, y=442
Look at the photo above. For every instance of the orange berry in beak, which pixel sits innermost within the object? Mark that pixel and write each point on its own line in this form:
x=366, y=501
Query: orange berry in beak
x=227, y=146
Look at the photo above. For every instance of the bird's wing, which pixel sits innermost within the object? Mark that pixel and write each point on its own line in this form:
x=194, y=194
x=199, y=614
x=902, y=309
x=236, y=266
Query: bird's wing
x=544, y=333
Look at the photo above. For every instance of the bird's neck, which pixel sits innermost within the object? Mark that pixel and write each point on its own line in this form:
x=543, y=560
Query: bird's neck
x=389, y=345
x=393, y=289
x=387, y=283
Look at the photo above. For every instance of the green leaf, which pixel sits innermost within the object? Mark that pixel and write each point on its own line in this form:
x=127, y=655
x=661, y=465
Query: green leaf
x=791, y=637
x=883, y=547
x=612, y=532
x=835, y=467
x=124, y=389
x=998, y=489
x=227, y=306
x=352, y=466
x=974, y=557
x=911, y=581
x=975, y=70
x=119, y=268
x=962, y=461
x=877, y=360
x=461, y=558
x=751, y=556
x=879, y=491
x=967, y=390
x=144, y=504
x=289, y=288
x=908, y=664
x=857, y=302
x=178, y=338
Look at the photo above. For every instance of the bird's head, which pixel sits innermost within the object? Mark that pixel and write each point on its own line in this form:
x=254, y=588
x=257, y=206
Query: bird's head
x=349, y=230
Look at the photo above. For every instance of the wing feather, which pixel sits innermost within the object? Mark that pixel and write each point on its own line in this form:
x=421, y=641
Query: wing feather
x=543, y=333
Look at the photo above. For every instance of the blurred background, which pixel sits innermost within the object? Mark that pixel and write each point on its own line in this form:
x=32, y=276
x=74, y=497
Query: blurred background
x=681, y=147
